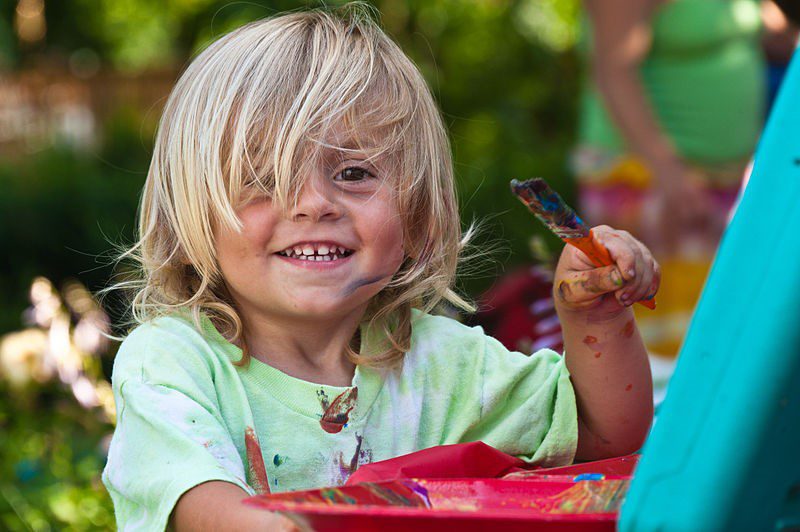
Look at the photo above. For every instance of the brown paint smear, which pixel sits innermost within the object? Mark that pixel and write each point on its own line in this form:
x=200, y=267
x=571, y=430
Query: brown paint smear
x=629, y=329
x=337, y=414
x=255, y=462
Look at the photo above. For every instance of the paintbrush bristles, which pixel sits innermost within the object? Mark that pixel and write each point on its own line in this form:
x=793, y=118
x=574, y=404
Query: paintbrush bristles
x=550, y=208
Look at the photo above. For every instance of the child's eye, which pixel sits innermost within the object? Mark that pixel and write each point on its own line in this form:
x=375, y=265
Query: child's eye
x=353, y=173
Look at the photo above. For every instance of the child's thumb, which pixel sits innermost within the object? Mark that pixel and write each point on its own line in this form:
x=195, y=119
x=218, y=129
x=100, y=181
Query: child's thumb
x=587, y=285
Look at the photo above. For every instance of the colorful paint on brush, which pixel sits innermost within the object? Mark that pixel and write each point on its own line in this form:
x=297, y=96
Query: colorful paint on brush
x=337, y=414
x=547, y=205
x=257, y=472
x=550, y=208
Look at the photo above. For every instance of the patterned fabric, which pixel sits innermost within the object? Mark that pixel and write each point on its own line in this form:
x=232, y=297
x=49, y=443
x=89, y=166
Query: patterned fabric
x=519, y=311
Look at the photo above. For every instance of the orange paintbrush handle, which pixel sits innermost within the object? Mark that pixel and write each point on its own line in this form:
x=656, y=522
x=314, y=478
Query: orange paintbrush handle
x=599, y=256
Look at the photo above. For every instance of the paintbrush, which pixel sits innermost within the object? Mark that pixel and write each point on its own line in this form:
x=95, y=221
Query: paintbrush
x=553, y=211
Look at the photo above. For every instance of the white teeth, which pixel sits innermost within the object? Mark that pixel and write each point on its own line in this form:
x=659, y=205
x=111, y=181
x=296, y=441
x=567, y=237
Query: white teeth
x=324, y=252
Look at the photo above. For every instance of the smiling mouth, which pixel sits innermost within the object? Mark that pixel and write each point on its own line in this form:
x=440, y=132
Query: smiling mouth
x=316, y=252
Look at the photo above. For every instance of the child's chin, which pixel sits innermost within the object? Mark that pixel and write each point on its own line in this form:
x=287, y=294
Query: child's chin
x=322, y=308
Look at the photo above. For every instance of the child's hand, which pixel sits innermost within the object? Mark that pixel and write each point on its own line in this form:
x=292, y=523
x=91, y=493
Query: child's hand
x=580, y=286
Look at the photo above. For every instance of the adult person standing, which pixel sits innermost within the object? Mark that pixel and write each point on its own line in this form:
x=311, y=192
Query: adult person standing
x=670, y=116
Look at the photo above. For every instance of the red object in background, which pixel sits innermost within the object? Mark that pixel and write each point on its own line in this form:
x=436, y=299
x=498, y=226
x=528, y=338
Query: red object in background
x=584, y=497
x=518, y=310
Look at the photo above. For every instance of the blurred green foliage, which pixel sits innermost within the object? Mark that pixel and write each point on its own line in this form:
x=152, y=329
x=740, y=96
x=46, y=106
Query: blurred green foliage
x=504, y=72
x=51, y=455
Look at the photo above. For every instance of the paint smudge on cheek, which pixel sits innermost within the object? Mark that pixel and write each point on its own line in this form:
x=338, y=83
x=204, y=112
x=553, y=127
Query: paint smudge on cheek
x=337, y=414
x=629, y=329
x=598, y=354
x=257, y=472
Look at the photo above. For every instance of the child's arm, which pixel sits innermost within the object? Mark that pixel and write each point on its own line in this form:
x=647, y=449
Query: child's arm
x=605, y=355
x=218, y=505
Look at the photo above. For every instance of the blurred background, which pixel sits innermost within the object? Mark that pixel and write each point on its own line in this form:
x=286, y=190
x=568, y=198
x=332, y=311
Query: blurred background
x=82, y=83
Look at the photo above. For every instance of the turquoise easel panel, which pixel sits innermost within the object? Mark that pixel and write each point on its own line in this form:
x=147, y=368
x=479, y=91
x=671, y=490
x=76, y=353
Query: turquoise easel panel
x=725, y=451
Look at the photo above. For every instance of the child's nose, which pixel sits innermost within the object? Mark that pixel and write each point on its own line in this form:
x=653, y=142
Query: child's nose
x=317, y=201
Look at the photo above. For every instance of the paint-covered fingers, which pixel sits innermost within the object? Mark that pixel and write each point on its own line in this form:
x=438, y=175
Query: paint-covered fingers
x=582, y=288
x=639, y=269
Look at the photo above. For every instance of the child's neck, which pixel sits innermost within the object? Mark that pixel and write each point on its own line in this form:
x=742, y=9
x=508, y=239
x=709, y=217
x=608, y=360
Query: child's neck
x=311, y=351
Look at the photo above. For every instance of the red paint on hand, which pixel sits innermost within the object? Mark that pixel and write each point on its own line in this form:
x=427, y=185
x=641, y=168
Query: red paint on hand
x=337, y=414
x=590, y=340
x=629, y=329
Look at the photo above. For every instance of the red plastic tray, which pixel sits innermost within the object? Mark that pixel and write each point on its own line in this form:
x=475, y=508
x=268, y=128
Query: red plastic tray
x=549, y=499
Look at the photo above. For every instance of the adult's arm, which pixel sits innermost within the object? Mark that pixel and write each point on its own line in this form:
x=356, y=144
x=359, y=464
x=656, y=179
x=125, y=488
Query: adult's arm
x=622, y=40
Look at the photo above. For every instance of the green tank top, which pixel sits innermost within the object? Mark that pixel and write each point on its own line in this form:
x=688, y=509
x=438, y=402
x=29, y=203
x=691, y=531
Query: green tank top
x=704, y=77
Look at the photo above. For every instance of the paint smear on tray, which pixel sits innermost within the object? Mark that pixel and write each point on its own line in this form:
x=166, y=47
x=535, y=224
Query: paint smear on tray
x=587, y=497
x=405, y=493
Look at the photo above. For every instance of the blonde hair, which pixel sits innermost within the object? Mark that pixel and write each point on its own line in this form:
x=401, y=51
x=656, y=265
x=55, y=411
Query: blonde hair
x=248, y=112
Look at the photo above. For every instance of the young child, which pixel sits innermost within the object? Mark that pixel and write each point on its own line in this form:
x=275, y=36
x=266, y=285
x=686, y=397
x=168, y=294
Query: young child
x=297, y=225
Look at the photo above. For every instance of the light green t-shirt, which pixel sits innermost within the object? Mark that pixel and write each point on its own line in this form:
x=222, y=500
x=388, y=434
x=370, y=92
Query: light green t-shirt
x=187, y=415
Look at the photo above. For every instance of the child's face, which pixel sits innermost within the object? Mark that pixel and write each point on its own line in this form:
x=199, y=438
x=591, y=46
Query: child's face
x=323, y=259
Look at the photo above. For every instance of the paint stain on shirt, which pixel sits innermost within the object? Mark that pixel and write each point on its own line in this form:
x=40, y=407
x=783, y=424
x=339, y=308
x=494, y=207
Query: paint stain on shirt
x=362, y=455
x=257, y=472
x=337, y=414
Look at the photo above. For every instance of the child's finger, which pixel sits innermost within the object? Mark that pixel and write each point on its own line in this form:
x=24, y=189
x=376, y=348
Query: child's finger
x=656, y=281
x=639, y=287
x=618, y=244
x=584, y=286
